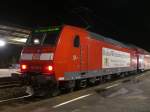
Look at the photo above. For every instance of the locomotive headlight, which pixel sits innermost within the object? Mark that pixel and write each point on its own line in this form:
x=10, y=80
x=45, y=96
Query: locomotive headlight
x=50, y=68
x=23, y=67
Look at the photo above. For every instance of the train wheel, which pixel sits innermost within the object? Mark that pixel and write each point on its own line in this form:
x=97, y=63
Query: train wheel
x=81, y=83
x=103, y=80
x=68, y=86
x=122, y=75
x=53, y=89
x=92, y=81
x=128, y=73
x=98, y=80
x=55, y=92
x=108, y=77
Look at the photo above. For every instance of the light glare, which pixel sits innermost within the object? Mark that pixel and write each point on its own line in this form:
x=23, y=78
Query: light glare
x=50, y=68
x=2, y=43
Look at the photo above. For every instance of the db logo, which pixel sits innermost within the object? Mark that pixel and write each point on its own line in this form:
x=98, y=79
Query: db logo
x=74, y=57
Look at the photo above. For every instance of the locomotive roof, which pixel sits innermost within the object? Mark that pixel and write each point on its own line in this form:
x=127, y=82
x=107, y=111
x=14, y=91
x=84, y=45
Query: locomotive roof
x=92, y=35
x=107, y=39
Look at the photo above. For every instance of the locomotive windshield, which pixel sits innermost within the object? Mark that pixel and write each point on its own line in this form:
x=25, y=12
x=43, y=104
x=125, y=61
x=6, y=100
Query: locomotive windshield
x=44, y=37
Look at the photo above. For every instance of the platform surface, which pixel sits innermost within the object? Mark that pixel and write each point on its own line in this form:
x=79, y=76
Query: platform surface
x=130, y=96
x=7, y=72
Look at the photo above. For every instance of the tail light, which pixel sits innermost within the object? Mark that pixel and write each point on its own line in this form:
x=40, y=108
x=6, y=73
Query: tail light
x=23, y=67
x=49, y=69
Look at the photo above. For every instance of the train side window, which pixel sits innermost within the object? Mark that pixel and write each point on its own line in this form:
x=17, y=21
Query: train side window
x=76, y=41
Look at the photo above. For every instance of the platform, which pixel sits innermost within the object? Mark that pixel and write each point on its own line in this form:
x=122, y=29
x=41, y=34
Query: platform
x=7, y=72
x=128, y=96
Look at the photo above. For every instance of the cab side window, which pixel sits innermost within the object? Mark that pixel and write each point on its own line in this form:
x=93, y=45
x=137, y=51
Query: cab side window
x=76, y=42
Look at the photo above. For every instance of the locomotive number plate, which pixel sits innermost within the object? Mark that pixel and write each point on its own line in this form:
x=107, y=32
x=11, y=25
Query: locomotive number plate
x=36, y=57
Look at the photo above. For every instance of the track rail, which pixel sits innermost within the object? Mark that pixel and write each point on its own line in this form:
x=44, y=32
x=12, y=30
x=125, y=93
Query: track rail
x=7, y=82
x=101, y=87
x=16, y=98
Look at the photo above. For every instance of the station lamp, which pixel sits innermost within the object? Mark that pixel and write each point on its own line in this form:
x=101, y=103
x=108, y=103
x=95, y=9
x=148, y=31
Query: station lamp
x=2, y=43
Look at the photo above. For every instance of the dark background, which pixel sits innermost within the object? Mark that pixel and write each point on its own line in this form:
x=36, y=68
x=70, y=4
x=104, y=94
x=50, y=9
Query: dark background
x=123, y=20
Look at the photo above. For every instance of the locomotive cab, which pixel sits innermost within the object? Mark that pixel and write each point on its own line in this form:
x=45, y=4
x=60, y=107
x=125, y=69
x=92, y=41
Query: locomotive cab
x=37, y=57
x=54, y=57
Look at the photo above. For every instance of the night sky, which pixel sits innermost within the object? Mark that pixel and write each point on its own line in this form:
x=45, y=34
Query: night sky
x=124, y=20
x=121, y=19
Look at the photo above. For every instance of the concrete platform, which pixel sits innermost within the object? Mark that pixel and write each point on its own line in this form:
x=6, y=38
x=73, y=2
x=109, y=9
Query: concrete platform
x=7, y=72
x=130, y=96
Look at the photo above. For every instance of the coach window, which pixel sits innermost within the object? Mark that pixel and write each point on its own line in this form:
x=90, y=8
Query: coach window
x=76, y=41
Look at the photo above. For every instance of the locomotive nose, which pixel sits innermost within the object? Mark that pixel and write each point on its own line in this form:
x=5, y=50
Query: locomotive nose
x=37, y=62
x=30, y=57
x=37, y=59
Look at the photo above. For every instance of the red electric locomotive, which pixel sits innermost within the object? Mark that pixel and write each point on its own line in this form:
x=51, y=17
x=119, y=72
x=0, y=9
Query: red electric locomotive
x=68, y=56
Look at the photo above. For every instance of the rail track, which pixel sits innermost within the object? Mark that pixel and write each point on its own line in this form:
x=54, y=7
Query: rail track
x=101, y=87
x=7, y=82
